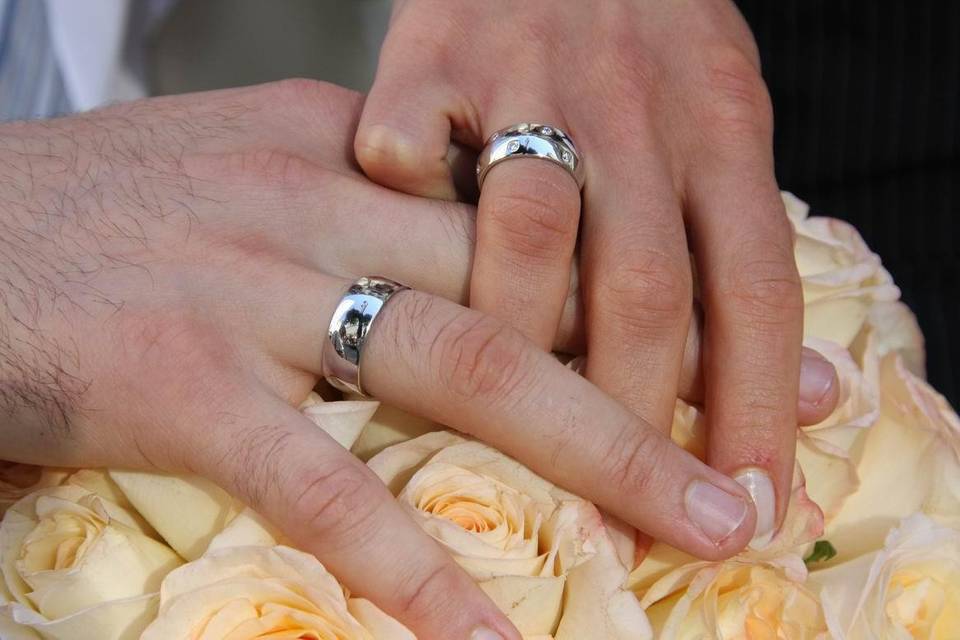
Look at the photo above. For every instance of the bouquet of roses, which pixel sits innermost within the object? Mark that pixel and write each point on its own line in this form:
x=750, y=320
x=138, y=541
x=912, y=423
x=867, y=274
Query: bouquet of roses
x=870, y=547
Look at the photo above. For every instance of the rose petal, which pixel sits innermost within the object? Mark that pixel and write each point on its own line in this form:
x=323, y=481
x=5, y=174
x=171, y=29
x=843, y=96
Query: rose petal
x=921, y=560
x=908, y=462
x=119, y=563
x=533, y=605
x=342, y=421
x=118, y=619
x=597, y=604
x=252, y=591
x=842, y=279
x=896, y=330
x=18, y=480
x=380, y=625
x=248, y=529
x=390, y=426
x=10, y=630
x=162, y=499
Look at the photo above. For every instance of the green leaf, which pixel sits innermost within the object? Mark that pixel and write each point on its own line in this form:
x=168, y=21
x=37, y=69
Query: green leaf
x=822, y=551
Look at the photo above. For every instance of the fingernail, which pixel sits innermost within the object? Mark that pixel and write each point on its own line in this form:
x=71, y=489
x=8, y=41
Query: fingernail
x=817, y=377
x=758, y=484
x=483, y=633
x=716, y=512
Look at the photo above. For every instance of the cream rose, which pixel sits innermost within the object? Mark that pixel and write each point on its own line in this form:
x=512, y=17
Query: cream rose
x=842, y=279
x=543, y=555
x=260, y=592
x=77, y=565
x=17, y=480
x=909, y=589
x=729, y=601
x=908, y=461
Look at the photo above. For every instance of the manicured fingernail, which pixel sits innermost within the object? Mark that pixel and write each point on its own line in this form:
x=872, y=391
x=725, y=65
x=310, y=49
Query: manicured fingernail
x=817, y=377
x=716, y=512
x=758, y=484
x=483, y=633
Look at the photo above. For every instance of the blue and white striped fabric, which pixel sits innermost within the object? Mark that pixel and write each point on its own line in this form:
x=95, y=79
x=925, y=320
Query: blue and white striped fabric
x=31, y=84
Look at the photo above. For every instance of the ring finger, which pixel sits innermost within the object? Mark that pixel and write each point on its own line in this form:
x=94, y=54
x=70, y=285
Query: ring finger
x=527, y=223
x=461, y=368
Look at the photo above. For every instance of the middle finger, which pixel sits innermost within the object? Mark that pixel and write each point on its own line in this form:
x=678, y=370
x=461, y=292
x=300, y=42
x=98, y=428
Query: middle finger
x=637, y=282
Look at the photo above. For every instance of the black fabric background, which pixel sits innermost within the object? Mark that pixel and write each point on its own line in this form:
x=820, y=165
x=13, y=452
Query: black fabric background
x=866, y=98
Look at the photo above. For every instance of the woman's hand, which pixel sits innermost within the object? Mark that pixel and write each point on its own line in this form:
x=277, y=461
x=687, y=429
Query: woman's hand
x=169, y=270
x=666, y=103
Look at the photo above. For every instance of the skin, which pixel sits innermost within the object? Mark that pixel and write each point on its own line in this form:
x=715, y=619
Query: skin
x=168, y=270
x=666, y=103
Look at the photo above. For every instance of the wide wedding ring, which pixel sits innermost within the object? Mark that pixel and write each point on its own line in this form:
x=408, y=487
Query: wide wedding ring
x=349, y=328
x=531, y=140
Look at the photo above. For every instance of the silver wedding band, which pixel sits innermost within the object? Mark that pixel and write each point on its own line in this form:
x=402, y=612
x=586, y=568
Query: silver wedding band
x=349, y=328
x=531, y=140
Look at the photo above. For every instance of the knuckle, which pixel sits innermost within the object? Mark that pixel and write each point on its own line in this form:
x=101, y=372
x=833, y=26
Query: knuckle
x=256, y=458
x=335, y=500
x=177, y=362
x=377, y=149
x=634, y=68
x=759, y=409
x=635, y=458
x=172, y=349
x=479, y=358
x=765, y=287
x=536, y=218
x=737, y=103
x=422, y=593
x=274, y=167
x=650, y=291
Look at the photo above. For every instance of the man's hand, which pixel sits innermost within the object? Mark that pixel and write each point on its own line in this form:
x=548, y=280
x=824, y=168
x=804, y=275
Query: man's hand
x=666, y=103
x=169, y=268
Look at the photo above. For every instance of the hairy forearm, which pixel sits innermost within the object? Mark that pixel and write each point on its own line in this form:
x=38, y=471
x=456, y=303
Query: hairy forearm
x=82, y=202
x=36, y=383
x=39, y=383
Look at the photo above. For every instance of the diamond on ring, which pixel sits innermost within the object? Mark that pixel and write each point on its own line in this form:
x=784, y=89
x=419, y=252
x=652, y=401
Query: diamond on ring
x=529, y=140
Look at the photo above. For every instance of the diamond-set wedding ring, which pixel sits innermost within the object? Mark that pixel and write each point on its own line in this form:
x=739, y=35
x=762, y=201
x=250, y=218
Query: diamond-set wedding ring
x=531, y=140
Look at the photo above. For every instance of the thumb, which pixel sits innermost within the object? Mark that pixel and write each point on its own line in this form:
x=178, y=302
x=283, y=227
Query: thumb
x=404, y=136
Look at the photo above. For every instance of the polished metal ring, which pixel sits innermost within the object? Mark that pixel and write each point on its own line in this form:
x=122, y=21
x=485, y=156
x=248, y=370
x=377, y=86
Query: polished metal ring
x=531, y=140
x=349, y=328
